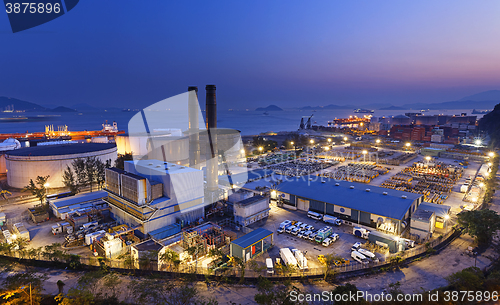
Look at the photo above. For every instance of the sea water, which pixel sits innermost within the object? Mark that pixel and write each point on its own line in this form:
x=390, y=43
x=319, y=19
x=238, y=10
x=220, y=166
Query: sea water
x=248, y=122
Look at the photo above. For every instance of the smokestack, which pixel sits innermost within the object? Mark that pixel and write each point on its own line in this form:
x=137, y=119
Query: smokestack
x=212, y=152
x=194, y=127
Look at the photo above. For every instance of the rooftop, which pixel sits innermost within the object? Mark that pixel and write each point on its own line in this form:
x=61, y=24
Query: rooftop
x=148, y=245
x=251, y=238
x=441, y=210
x=251, y=200
x=61, y=149
x=64, y=202
x=423, y=215
x=374, y=201
x=244, y=177
x=157, y=167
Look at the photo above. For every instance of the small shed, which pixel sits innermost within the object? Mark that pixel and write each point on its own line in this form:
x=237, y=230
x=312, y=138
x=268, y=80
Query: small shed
x=251, y=244
x=422, y=223
x=441, y=211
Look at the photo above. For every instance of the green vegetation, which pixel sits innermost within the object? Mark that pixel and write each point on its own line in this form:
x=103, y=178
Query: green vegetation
x=38, y=188
x=480, y=224
x=491, y=125
x=347, y=289
x=85, y=172
x=120, y=161
x=271, y=294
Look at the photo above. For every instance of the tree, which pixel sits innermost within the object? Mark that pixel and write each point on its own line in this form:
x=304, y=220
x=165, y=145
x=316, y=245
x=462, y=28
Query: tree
x=120, y=161
x=480, y=224
x=69, y=180
x=271, y=294
x=91, y=170
x=491, y=124
x=39, y=191
x=469, y=279
x=347, y=289
x=238, y=262
x=101, y=172
x=79, y=169
x=17, y=288
x=169, y=256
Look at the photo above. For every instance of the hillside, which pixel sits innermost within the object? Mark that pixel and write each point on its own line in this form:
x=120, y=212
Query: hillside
x=269, y=108
x=491, y=124
x=62, y=109
x=491, y=95
x=8, y=103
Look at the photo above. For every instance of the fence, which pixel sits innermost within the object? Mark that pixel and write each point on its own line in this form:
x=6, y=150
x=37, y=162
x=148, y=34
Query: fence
x=251, y=271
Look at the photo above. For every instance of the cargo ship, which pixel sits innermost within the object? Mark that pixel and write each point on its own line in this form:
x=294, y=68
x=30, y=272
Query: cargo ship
x=63, y=133
x=360, y=110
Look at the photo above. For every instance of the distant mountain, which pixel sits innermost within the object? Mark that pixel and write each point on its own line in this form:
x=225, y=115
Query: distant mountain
x=9, y=103
x=83, y=106
x=327, y=107
x=392, y=108
x=491, y=95
x=62, y=109
x=269, y=108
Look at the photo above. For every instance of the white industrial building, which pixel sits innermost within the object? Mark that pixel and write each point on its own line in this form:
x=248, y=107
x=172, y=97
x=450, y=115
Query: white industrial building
x=27, y=163
x=153, y=194
x=250, y=210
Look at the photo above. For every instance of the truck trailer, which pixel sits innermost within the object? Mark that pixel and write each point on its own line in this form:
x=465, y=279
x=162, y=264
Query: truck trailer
x=287, y=257
x=332, y=220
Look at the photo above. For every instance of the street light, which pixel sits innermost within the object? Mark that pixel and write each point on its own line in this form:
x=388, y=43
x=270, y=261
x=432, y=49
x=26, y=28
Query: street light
x=478, y=142
x=345, y=138
x=408, y=144
x=364, y=155
x=377, y=141
x=446, y=217
x=481, y=184
x=261, y=149
x=428, y=158
x=490, y=164
x=311, y=141
x=491, y=154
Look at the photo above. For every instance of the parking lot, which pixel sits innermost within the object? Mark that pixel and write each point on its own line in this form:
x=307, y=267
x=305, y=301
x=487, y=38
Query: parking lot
x=341, y=247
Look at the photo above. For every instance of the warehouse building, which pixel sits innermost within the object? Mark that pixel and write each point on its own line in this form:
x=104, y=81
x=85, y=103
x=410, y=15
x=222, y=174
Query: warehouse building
x=355, y=203
x=154, y=194
x=27, y=163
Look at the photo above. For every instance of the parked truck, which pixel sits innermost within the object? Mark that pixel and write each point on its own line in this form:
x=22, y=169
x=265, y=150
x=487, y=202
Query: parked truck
x=332, y=220
x=323, y=234
x=21, y=231
x=301, y=259
x=287, y=257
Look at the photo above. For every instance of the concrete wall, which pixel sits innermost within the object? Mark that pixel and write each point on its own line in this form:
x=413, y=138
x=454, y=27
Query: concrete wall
x=20, y=169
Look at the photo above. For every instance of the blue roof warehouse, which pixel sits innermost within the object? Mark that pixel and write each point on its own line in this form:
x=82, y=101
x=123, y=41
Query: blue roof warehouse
x=386, y=210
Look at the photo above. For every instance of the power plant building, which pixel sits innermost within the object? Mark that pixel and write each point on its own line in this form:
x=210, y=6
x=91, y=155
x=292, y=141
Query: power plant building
x=153, y=194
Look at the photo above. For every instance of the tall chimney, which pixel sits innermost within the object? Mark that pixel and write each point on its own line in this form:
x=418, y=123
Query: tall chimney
x=194, y=127
x=212, y=152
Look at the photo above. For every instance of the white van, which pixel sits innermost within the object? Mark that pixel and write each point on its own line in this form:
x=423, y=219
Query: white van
x=359, y=257
x=327, y=242
x=368, y=254
x=269, y=264
x=314, y=215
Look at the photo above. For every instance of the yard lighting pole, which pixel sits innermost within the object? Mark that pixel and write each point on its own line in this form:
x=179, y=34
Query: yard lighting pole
x=303, y=261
